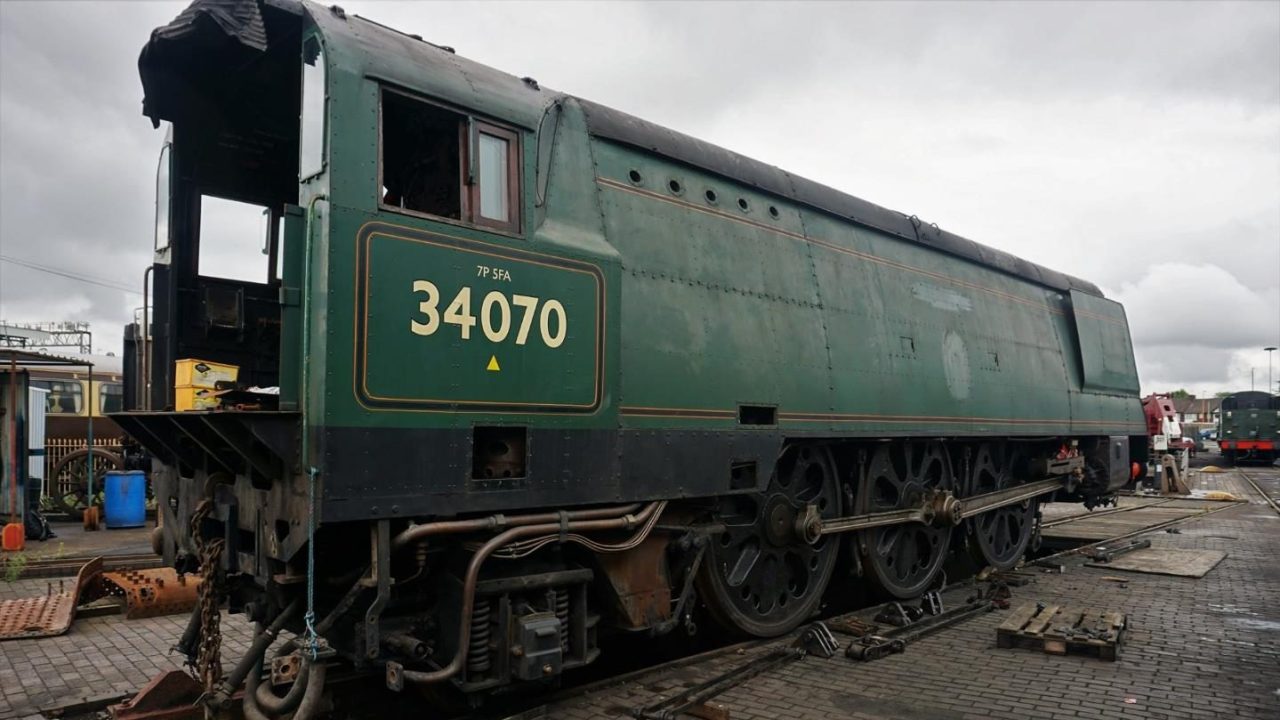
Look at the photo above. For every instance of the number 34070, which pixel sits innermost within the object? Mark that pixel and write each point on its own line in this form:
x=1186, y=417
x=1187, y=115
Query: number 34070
x=496, y=315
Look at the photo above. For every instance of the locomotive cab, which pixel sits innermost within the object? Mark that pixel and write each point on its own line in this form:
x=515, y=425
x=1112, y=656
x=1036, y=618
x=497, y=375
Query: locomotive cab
x=226, y=190
x=243, y=95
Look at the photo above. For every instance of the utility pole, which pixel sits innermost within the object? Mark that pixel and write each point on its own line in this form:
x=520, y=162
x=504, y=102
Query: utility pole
x=1269, y=350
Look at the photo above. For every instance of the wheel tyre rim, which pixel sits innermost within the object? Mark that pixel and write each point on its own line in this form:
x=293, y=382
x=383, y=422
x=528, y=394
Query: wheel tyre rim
x=904, y=559
x=1001, y=535
x=758, y=577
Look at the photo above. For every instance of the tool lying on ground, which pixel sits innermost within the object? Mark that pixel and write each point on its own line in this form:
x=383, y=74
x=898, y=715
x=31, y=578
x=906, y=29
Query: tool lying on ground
x=815, y=640
x=874, y=647
x=1107, y=553
x=849, y=625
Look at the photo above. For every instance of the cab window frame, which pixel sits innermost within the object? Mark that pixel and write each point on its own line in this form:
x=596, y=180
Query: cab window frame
x=469, y=129
x=512, y=138
x=313, y=158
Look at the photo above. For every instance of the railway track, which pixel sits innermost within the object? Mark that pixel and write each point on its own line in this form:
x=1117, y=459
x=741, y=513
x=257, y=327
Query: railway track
x=1100, y=513
x=1253, y=483
x=69, y=566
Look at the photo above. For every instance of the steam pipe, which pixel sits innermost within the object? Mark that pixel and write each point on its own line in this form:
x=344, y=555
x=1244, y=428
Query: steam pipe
x=627, y=521
x=259, y=702
x=500, y=522
x=252, y=657
x=266, y=701
x=308, y=688
x=315, y=690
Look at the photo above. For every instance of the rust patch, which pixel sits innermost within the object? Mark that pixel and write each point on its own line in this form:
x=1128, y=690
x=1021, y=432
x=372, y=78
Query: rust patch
x=49, y=615
x=152, y=593
x=641, y=582
x=169, y=696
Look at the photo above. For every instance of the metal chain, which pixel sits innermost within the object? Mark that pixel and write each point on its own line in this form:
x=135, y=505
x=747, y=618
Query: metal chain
x=208, y=665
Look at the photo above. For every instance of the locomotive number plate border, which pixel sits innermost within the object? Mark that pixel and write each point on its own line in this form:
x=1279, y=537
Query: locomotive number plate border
x=364, y=240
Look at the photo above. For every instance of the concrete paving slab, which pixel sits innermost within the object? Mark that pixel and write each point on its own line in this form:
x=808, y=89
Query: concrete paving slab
x=1166, y=561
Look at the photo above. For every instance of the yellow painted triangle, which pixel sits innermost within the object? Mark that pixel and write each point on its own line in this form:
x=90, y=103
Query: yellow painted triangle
x=493, y=364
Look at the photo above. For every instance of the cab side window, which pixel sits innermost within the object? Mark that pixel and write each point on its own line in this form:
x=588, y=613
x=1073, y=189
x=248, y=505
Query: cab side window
x=421, y=157
x=495, y=193
x=438, y=162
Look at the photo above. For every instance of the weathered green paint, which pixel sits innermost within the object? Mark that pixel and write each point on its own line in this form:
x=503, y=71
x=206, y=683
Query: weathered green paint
x=293, y=243
x=845, y=330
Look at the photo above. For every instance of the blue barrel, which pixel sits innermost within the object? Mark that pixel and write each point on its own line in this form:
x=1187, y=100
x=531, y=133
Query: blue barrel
x=124, y=502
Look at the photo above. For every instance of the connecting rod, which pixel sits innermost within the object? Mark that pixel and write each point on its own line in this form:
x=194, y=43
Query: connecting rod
x=937, y=507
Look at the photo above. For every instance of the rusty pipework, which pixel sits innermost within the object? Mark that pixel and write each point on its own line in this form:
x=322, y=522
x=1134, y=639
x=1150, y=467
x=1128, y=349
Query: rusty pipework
x=397, y=675
x=502, y=522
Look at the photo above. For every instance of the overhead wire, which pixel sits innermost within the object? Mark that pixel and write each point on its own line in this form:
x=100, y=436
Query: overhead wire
x=79, y=277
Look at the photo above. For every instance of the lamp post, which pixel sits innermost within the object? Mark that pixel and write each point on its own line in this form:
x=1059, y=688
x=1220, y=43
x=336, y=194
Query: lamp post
x=1269, y=350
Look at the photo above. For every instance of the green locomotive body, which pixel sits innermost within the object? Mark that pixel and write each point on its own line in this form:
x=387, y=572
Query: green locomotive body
x=1249, y=427
x=498, y=305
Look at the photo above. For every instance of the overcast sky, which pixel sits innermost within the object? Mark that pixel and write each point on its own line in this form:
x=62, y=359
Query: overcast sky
x=1133, y=144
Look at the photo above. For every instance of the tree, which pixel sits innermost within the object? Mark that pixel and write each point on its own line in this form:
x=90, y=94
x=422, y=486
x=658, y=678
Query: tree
x=1222, y=393
x=1182, y=394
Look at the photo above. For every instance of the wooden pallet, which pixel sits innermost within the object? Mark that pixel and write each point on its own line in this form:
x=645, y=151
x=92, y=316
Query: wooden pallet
x=1061, y=630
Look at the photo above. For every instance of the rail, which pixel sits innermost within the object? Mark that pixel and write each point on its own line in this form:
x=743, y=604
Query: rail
x=1258, y=489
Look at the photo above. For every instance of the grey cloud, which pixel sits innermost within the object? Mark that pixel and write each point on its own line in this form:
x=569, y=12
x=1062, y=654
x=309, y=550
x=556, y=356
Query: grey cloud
x=1100, y=139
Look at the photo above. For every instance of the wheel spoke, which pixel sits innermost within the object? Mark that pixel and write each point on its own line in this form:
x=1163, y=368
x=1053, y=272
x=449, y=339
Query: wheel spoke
x=1001, y=535
x=762, y=579
x=904, y=559
x=746, y=563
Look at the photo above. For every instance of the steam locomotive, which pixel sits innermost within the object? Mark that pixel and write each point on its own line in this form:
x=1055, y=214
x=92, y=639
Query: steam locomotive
x=539, y=371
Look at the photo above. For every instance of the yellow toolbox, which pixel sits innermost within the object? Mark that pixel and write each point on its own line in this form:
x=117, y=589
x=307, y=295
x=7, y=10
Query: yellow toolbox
x=202, y=373
x=195, y=398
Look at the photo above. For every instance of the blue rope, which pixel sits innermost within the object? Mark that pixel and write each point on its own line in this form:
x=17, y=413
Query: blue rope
x=311, y=637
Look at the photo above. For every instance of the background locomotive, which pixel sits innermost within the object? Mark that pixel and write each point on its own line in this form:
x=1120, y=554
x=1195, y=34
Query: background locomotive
x=1249, y=427
x=547, y=370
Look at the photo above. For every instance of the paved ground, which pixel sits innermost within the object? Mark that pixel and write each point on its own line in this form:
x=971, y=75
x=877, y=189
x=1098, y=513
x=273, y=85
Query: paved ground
x=1207, y=648
x=73, y=541
x=98, y=657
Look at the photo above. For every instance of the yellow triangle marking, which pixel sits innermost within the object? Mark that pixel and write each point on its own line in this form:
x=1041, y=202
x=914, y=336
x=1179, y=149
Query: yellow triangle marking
x=493, y=364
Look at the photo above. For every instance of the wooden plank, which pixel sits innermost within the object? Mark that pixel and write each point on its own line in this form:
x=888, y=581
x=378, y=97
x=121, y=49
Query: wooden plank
x=1041, y=620
x=710, y=711
x=1018, y=618
x=1058, y=630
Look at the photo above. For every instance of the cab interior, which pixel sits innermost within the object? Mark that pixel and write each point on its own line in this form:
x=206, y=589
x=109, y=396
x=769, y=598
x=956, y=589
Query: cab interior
x=225, y=177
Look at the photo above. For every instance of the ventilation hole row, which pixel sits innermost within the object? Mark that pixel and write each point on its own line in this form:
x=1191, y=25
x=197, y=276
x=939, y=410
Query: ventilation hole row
x=677, y=188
